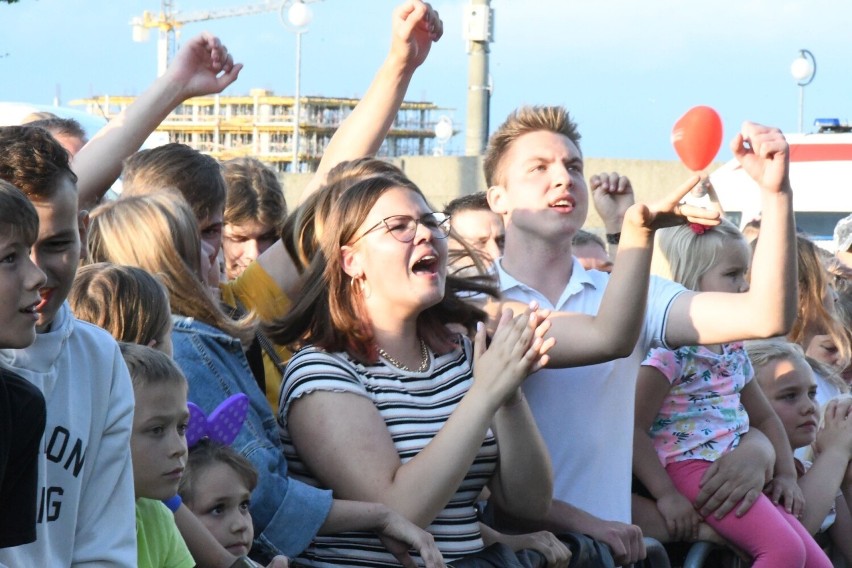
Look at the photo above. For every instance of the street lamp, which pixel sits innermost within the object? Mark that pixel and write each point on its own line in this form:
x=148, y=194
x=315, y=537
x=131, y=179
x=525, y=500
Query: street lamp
x=443, y=133
x=298, y=16
x=803, y=70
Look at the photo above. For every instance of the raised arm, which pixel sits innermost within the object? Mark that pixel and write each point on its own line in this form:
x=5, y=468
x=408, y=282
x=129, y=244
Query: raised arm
x=415, y=27
x=344, y=441
x=584, y=339
x=769, y=307
x=612, y=195
x=201, y=67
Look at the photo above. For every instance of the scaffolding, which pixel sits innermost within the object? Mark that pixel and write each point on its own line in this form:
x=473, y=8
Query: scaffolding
x=261, y=125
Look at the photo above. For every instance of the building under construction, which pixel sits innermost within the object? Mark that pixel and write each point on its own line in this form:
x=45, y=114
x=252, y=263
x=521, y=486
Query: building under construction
x=262, y=125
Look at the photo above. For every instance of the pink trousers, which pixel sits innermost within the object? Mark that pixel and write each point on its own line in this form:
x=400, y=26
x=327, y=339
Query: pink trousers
x=767, y=532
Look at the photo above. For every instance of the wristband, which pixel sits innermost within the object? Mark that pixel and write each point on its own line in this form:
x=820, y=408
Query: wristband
x=173, y=503
x=613, y=238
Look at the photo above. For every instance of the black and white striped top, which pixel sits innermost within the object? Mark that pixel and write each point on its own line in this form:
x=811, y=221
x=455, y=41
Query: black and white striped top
x=414, y=406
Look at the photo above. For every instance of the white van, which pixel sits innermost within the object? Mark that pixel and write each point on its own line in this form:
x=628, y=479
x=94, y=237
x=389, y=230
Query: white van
x=820, y=174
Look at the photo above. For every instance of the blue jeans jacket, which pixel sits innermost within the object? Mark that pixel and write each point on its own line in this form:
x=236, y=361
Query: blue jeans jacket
x=287, y=514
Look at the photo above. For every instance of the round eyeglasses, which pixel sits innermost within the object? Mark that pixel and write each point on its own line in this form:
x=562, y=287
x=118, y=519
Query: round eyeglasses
x=404, y=227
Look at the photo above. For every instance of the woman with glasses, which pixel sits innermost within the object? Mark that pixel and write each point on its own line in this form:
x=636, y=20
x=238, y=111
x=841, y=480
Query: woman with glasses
x=384, y=402
x=159, y=234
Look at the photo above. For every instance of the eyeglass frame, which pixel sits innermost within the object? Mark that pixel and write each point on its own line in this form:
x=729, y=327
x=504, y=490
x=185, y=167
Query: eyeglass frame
x=437, y=232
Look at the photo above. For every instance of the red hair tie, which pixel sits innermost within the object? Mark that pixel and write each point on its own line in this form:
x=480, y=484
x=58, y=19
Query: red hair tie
x=699, y=229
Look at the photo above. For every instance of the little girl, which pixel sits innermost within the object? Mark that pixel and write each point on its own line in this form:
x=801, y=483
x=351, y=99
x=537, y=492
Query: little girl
x=218, y=481
x=128, y=302
x=217, y=488
x=788, y=381
x=694, y=403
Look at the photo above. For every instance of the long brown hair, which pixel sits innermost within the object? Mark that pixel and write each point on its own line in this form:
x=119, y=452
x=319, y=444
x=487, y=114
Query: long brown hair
x=813, y=317
x=330, y=315
x=158, y=233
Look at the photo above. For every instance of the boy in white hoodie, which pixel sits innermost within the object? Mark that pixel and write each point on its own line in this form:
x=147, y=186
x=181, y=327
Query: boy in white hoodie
x=85, y=503
x=22, y=408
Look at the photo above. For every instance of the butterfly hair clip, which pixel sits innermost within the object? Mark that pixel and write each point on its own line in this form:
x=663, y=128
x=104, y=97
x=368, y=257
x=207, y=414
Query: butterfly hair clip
x=224, y=423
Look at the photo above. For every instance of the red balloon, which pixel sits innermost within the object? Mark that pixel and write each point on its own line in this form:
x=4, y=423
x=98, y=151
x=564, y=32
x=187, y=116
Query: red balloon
x=697, y=136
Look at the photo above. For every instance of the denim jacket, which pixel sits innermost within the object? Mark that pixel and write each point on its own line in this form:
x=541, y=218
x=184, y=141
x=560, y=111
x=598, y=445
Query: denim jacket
x=287, y=513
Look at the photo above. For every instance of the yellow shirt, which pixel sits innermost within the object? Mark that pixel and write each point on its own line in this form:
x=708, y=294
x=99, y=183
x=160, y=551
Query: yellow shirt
x=258, y=292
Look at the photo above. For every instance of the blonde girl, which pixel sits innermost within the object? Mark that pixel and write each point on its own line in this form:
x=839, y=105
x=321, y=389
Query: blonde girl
x=786, y=377
x=131, y=304
x=694, y=403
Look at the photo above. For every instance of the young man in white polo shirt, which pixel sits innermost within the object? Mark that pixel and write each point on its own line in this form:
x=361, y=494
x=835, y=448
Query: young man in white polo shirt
x=534, y=170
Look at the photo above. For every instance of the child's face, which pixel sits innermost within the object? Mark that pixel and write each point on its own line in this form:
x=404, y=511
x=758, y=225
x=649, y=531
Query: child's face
x=791, y=389
x=20, y=281
x=823, y=349
x=222, y=504
x=158, y=442
x=57, y=249
x=729, y=272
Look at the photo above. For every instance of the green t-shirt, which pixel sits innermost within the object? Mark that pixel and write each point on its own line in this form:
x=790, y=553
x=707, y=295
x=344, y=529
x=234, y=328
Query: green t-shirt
x=158, y=541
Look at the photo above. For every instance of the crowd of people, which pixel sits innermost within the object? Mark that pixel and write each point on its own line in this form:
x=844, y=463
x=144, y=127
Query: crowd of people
x=196, y=373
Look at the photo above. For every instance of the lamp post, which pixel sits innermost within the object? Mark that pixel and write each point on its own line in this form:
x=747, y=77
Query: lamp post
x=298, y=16
x=443, y=133
x=803, y=70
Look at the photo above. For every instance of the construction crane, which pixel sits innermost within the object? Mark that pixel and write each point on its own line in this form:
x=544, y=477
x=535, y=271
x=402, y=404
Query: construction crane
x=169, y=20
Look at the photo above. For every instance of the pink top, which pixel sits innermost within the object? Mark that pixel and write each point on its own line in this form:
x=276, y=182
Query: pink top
x=702, y=416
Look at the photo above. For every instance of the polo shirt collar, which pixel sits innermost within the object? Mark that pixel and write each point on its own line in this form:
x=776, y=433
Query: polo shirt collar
x=580, y=278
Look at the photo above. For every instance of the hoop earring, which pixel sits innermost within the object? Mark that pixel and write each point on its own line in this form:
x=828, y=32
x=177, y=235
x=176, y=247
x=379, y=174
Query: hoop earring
x=359, y=286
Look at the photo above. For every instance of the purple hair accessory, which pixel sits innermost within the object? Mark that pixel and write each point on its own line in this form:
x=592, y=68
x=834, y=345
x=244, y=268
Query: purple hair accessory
x=223, y=424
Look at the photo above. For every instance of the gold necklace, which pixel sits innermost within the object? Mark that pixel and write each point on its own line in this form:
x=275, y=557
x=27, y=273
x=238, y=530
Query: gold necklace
x=424, y=359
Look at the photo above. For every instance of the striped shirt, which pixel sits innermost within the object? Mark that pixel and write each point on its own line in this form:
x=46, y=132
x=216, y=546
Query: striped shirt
x=414, y=407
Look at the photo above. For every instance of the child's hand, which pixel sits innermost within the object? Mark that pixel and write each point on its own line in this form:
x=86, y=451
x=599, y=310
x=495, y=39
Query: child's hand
x=682, y=520
x=836, y=433
x=517, y=349
x=279, y=562
x=784, y=489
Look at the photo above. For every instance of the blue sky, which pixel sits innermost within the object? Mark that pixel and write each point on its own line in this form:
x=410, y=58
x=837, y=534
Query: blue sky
x=626, y=69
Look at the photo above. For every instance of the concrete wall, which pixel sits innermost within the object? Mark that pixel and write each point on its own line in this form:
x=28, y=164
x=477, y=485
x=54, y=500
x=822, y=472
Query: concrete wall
x=444, y=178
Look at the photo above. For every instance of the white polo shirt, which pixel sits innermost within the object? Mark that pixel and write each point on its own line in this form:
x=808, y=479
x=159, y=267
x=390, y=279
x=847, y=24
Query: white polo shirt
x=585, y=414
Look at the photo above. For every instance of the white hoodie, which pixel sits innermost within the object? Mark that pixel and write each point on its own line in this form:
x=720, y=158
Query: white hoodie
x=85, y=511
